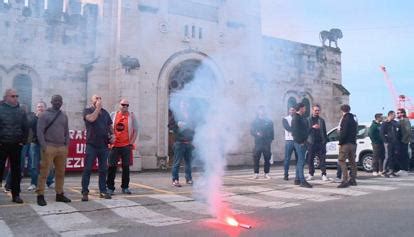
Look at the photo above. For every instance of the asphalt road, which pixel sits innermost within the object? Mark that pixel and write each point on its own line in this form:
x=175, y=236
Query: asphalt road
x=376, y=207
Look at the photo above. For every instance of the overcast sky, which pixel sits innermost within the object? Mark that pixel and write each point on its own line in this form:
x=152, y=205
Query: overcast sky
x=376, y=32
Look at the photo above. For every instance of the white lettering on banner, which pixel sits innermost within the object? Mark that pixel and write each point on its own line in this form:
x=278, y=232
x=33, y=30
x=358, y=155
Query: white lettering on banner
x=78, y=134
x=74, y=162
x=80, y=148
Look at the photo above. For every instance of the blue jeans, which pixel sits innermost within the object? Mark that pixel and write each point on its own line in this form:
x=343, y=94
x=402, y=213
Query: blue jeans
x=301, y=151
x=289, y=148
x=91, y=154
x=35, y=157
x=182, y=151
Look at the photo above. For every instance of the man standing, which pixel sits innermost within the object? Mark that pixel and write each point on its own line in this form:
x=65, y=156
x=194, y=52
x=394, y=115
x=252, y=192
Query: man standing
x=377, y=145
x=35, y=150
x=289, y=147
x=263, y=133
x=53, y=137
x=389, y=134
x=126, y=132
x=99, y=134
x=347, y=146
x=300, y=132
x=183, y=147
x=317, y=143
x=13, y=134
x=404, y=140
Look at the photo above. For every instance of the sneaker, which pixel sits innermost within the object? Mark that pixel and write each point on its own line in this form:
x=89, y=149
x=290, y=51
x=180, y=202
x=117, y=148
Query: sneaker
x=297, y=182
x=175, y=183
x=309, y=177
x=32, y=187
x=286, y=178
x=343, y=185
x=62, y=198
x=7, y=188
x=338, y=180
x=85, y=197
x=267, y=176
x=51, y=186
x=256, y=176
x=126, y=191
x=105, y=195
x=375, y=174
x=324, y=178
x=384, y=174
x=392, y=174
x=190, y=182
x=111, y=191
x=352, y=182
x=305, y=184
x=17, y=199
x=402, y=173
x=41, y=200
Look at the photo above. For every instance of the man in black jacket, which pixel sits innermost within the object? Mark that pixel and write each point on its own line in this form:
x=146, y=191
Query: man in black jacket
x=300, y=132
x=317, y=143
x=390, y=135
x=347, y=146
x=263, y=133
x=13, y=135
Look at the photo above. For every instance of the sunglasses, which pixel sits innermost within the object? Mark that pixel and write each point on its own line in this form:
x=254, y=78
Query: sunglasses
x=14, y=96
x=125, y=105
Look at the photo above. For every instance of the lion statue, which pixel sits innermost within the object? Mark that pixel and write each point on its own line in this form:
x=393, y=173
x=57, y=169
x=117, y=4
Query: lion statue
x=332, y=35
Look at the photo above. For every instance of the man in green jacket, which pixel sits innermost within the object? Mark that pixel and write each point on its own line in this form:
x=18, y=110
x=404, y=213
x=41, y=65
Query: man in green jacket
x=377, y=145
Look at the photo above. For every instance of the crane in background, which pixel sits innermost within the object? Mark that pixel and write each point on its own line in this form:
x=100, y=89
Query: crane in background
x=400, y=101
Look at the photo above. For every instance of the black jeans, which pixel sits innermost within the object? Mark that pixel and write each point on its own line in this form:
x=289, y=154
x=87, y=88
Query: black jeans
x=260, y=149
x=11, y=151
x=320, y=151
x=125, y=154
x=403, y=157
x=389, y=160
x=378, y=157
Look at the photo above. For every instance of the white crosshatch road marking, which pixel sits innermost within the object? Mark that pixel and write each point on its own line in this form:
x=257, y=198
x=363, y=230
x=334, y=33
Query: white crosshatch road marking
x=183, y=203
x=288, y=195
x=67, y=221
x=135, y=212
x=5, y=231
x=254, y=202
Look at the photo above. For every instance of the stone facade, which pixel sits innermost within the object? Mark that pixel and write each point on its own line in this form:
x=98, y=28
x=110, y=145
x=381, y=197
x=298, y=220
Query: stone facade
x=78, y=53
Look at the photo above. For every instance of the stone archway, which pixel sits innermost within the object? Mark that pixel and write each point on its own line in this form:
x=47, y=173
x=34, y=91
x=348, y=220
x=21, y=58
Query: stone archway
x=178, y=70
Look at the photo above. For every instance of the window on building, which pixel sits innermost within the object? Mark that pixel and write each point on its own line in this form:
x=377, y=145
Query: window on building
x=291, y=103
x=200, y=33
x=23, y=85
x=186, y=30
x=307, y=105
x=193, y=29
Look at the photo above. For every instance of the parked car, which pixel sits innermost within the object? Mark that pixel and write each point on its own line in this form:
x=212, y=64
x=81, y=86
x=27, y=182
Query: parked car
x=363, y=153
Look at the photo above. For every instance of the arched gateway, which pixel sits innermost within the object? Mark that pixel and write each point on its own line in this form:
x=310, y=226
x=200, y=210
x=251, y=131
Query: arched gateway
x=178, y=70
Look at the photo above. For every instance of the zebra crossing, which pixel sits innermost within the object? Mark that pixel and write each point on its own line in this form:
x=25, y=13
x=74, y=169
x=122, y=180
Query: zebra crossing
x=168, y=209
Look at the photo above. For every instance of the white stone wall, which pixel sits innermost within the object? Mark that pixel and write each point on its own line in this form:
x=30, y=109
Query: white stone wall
x=79, y=60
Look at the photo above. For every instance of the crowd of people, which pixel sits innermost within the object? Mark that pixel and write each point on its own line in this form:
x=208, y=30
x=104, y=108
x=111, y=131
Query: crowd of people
x=111, y=136
x=46, y=134
x=306, y=137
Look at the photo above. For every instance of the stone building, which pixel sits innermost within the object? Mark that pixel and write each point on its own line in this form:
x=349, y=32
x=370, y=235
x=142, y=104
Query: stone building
x=144, y=49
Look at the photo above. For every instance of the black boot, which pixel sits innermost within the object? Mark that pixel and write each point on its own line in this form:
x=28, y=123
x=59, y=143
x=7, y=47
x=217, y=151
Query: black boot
x=352, y=182
x=343, y=185
x=17, y=199
x=305, y=184
x=62, y=198
x=41, y=200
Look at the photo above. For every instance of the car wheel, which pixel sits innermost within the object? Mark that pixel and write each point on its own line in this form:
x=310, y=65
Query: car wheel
x=366, y=162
